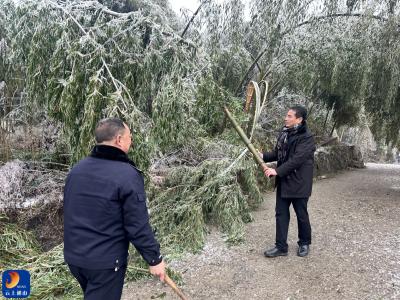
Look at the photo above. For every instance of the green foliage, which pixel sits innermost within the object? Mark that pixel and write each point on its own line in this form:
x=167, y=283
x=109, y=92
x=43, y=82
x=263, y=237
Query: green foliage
x=15, y=244
x=210, y=99
x=86, y=63
x=173, y=121
x=194, y=196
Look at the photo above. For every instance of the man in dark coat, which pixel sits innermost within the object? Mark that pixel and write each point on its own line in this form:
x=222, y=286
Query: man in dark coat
x=104, y=210
x=294, y=153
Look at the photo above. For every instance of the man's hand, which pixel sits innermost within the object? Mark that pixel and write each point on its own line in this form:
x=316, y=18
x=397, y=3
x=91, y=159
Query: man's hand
x=265, y=169
x=268, y=172
x=271, y=172
x=158, y=270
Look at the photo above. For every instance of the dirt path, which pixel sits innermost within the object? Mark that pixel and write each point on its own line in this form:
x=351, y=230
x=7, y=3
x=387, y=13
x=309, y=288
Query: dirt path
x=355, y=253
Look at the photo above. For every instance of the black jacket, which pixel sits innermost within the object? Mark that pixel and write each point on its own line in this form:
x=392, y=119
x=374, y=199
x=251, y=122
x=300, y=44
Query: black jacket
x=105, y=209
x=295, y=171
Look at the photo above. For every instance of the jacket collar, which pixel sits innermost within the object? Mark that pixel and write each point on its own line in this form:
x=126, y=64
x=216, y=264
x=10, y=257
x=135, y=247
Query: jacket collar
x=111, y=153
x=302, y=127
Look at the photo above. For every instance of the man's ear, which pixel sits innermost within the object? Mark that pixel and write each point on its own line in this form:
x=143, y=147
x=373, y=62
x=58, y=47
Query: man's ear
x=118, y=139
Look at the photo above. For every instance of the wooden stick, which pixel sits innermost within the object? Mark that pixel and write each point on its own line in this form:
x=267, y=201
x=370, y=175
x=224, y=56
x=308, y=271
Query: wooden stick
x=167, y=280
x=245, y=139
x=172, y=284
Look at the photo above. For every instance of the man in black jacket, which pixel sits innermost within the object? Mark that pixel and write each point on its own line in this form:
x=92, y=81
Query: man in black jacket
x=105, y=209
x=294, y=153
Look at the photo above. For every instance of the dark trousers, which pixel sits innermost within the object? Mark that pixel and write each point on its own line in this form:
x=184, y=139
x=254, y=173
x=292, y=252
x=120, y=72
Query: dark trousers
x=104, y=284
x=282, y=215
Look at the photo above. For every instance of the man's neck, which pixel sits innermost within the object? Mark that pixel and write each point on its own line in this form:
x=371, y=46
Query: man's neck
x=110, y=144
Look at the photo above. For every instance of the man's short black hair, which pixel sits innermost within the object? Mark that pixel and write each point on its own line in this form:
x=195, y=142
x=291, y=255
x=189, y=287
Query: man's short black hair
x=299, y=111
x=107, y=129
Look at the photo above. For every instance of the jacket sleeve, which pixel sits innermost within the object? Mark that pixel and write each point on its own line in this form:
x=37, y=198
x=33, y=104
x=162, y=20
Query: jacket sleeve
x=304, y=150
x=136, y=223
x=270, y=156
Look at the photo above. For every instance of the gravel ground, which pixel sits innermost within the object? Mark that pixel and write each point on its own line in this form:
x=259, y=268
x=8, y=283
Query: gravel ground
x=355, y=252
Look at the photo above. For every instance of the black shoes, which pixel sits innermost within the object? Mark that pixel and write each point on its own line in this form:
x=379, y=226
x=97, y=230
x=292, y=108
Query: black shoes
x=303, y=250
x=274, y=252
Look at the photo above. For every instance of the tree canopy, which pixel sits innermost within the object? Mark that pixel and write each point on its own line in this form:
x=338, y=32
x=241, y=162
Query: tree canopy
x=82, y=60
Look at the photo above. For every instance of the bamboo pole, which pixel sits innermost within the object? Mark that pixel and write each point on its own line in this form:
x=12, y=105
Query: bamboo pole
x=245, y=139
